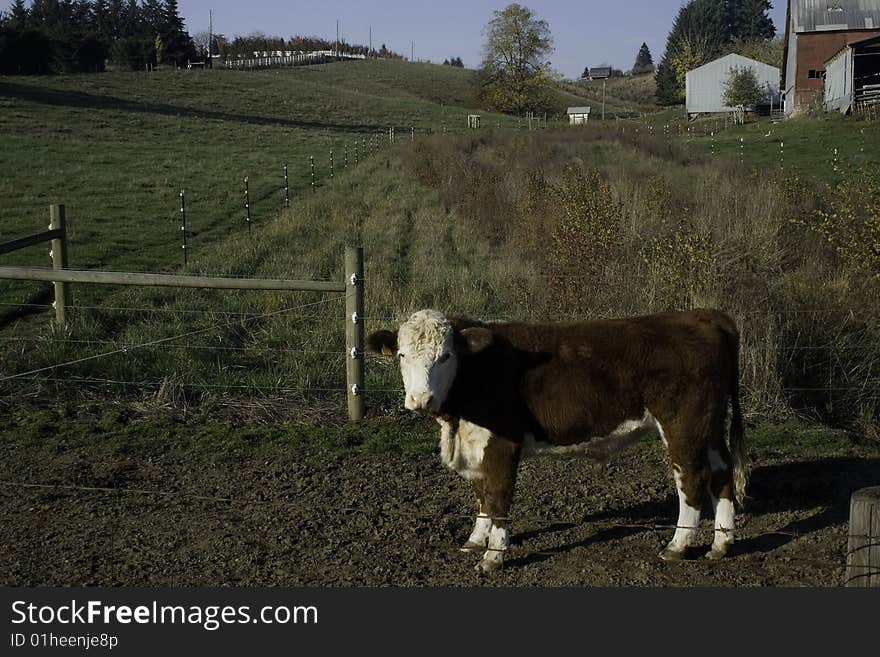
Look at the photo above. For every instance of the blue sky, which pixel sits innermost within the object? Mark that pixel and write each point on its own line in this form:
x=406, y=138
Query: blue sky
x=586, y=33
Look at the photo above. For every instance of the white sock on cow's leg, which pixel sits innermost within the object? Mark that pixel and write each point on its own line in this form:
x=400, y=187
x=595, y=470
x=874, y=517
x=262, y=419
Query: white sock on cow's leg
x=499, y=541
x=724, y=526
x=686, y=527
x=480, y=535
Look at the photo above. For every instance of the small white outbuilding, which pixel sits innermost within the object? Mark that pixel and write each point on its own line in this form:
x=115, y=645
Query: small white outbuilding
x=705, y=86
x=578, y=115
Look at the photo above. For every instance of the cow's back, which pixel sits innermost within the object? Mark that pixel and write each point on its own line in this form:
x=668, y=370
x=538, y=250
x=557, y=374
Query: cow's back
x=587, y=378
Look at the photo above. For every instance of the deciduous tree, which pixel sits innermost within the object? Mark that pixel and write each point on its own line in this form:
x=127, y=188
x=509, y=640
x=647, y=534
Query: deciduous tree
x=515, y=76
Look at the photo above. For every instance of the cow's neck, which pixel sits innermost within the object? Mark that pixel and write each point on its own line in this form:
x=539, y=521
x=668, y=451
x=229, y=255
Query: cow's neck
x=491, y=400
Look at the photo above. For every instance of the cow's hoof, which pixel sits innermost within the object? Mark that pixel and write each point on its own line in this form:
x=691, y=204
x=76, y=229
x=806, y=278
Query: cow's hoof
x=715, y=554
x=672, y=555
x=488, y=566
x=470, y=546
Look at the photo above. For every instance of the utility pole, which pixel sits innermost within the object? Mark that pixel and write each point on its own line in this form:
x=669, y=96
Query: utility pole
x=603, y=99
x=337, y=37
x=412, y=49
x=371, y=41
x=210, y=63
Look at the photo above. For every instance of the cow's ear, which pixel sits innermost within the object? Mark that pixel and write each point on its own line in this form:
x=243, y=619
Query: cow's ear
x=382, y=342
x=477, y=338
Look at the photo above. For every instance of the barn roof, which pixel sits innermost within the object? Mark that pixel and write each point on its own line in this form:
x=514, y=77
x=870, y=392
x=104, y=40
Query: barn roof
x=725, y=63
x=578, y=110
x=829, y=15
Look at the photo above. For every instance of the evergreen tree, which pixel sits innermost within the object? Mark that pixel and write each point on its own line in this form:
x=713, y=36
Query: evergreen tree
x=703, y=30
x=749, y=20
x=644, y=61
x=18, y=15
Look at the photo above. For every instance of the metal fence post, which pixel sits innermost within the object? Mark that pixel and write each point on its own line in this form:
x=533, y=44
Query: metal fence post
x=183, y=224
x=312, y=169
x=354, y=331
x=58, y=221
x=286, y=188
x=247, y=204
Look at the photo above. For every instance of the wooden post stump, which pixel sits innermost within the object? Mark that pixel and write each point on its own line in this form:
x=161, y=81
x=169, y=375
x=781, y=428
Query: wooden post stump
x=863, y=546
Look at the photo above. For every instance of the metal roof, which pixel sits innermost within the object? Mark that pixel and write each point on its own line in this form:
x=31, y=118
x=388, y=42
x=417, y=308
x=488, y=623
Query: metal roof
x=578, y=110
x=829, y=15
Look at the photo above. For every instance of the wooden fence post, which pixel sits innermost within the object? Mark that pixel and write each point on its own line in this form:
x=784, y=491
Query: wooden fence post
x=354, y=332
x=863, y=546
x=58, y=221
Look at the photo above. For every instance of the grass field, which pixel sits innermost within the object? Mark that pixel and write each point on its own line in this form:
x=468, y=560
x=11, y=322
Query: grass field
x=803, y=146
x=469, y=224
x=117, y=148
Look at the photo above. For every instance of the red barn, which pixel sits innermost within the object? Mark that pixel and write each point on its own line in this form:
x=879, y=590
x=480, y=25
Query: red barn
x=816, y=30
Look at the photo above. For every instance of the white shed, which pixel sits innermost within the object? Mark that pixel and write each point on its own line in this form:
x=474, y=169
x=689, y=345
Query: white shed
x=578, y=115
x=705, y=85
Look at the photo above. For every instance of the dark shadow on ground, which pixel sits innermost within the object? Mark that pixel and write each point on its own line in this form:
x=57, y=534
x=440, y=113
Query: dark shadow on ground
x=824, y=484
x=35, y=305
x=85, y=100
x=607, y=534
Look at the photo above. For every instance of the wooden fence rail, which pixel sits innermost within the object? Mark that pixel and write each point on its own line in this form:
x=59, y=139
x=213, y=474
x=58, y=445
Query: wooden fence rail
x=352, y=286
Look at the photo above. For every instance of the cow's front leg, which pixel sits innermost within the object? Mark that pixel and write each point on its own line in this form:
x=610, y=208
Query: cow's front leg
x=499, y=479
x=690, y=481
x=479, y=538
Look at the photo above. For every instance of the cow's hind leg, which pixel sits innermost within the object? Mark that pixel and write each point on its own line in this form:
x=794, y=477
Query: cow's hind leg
x=690, y=482
x=499, y=467
x=721, y=492
x=479, y=538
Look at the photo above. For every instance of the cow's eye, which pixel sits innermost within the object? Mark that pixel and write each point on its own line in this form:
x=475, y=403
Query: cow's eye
x=401, y=356
x=443, y=358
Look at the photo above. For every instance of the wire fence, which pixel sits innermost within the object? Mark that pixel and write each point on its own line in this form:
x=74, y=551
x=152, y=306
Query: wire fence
x=258, y=196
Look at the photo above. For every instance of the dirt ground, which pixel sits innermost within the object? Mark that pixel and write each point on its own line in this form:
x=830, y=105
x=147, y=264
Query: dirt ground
x=386, y=519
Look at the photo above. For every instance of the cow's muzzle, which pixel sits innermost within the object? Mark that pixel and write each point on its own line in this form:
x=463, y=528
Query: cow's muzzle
x=423, y=401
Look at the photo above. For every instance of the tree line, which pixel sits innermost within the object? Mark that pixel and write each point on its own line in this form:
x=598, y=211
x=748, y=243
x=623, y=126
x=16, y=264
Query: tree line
x=704, y=30
x=73, y=36
x=246, y=46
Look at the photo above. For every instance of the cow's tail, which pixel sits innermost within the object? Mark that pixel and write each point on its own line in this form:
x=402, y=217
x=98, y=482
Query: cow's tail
x=737, y=434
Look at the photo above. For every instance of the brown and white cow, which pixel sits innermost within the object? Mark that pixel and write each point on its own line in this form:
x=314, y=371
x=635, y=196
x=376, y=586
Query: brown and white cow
x=504, y=390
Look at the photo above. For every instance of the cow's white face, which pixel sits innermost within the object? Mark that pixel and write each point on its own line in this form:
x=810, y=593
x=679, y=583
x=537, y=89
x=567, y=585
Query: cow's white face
x=428, y=362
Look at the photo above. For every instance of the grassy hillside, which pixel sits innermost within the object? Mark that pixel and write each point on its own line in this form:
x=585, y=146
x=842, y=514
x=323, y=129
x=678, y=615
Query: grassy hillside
x=628, y=96
x=117, y=148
